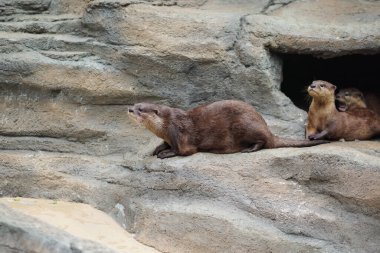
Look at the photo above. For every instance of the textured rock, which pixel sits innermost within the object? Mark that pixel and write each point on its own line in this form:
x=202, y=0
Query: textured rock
x=194, y=56
x=9, y=7
x=21, y=233
x=322, y=199
x=82, y=222
x=69, y=69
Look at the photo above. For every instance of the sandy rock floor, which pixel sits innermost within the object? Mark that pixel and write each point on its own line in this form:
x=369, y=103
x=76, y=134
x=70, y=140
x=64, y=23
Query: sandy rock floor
x=80, y=220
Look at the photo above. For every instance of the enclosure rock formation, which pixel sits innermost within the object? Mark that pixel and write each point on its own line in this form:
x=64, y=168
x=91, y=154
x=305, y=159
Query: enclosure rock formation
x=22, y=233
x=43, y=231
x=69, y=69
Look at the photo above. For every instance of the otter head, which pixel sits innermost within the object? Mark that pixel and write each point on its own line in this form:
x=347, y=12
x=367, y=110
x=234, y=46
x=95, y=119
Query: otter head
x=321, y=90
x=350, y=98
x=148, y=115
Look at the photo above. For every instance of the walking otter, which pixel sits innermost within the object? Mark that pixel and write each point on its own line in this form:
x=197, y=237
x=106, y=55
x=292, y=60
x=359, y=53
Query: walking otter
x=221, y=127
x=326, y=122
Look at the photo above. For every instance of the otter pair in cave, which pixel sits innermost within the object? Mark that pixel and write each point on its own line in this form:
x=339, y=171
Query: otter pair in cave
x=354, y=122
x=222, y=127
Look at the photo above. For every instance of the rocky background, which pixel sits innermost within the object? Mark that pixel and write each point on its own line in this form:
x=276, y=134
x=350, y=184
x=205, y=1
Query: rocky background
x=70, y=68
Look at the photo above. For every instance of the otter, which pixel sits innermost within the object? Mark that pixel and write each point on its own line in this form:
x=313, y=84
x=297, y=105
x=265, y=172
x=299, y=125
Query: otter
x=222, y=127
x=326, y=122
x=350, y=98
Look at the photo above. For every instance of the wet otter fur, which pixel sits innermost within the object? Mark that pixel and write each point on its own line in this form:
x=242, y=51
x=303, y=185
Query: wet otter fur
x=326, y=122
x=221, y=127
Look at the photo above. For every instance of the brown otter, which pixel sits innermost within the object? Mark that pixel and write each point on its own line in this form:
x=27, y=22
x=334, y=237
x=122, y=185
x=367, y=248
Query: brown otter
x=350, y=98
x=227, y=126
x=325, y=122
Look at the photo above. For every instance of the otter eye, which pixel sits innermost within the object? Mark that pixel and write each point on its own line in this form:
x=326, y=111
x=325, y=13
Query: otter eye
x=139, y=109
x=322, y=85
x=347, y=94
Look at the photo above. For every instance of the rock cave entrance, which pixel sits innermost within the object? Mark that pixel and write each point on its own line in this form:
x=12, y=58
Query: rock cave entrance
x=360, y=71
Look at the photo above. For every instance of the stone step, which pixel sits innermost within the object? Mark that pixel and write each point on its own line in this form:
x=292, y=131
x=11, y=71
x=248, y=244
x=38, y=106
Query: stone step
x=66, y=55
x=15, y=42
x=41, y=24
x=31, y=7
x=10, y=7
x=11, y=42
x=76, y=76
x=39, y=41
x=60, y=127
x=39, y=17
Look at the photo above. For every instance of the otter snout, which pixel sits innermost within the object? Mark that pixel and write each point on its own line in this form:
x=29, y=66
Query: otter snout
x=132, y=111
x=313, y=86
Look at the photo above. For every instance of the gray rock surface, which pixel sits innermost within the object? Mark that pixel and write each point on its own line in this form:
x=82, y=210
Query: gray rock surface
x=69, y=69
x=318, y=199
x=21, y=233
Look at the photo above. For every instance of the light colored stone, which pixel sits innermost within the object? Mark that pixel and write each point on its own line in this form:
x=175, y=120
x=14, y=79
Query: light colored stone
x=22, y=233
x=79, y=220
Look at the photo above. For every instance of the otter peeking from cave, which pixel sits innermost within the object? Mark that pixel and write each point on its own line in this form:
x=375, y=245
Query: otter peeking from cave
x=222, y=127
x=349, y=99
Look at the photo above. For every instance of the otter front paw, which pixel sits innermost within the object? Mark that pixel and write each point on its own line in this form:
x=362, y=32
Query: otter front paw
x=313, y=137
x=319, y=136
x=166, y=154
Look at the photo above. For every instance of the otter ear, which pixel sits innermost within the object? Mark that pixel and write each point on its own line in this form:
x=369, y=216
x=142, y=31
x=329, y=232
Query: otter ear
x=155, y=111
x=334, y=87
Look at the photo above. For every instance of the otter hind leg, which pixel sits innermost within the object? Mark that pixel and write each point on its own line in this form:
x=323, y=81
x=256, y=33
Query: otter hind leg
x=167, y=153
x=161, y=148
x=255, y=147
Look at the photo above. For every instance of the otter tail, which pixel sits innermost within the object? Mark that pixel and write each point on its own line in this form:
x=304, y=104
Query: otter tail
x=285, y=142
x=377, y=130
x=378, y=125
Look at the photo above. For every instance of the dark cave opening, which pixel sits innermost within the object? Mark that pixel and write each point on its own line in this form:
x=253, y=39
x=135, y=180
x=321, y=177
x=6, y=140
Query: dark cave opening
x=359, y=71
